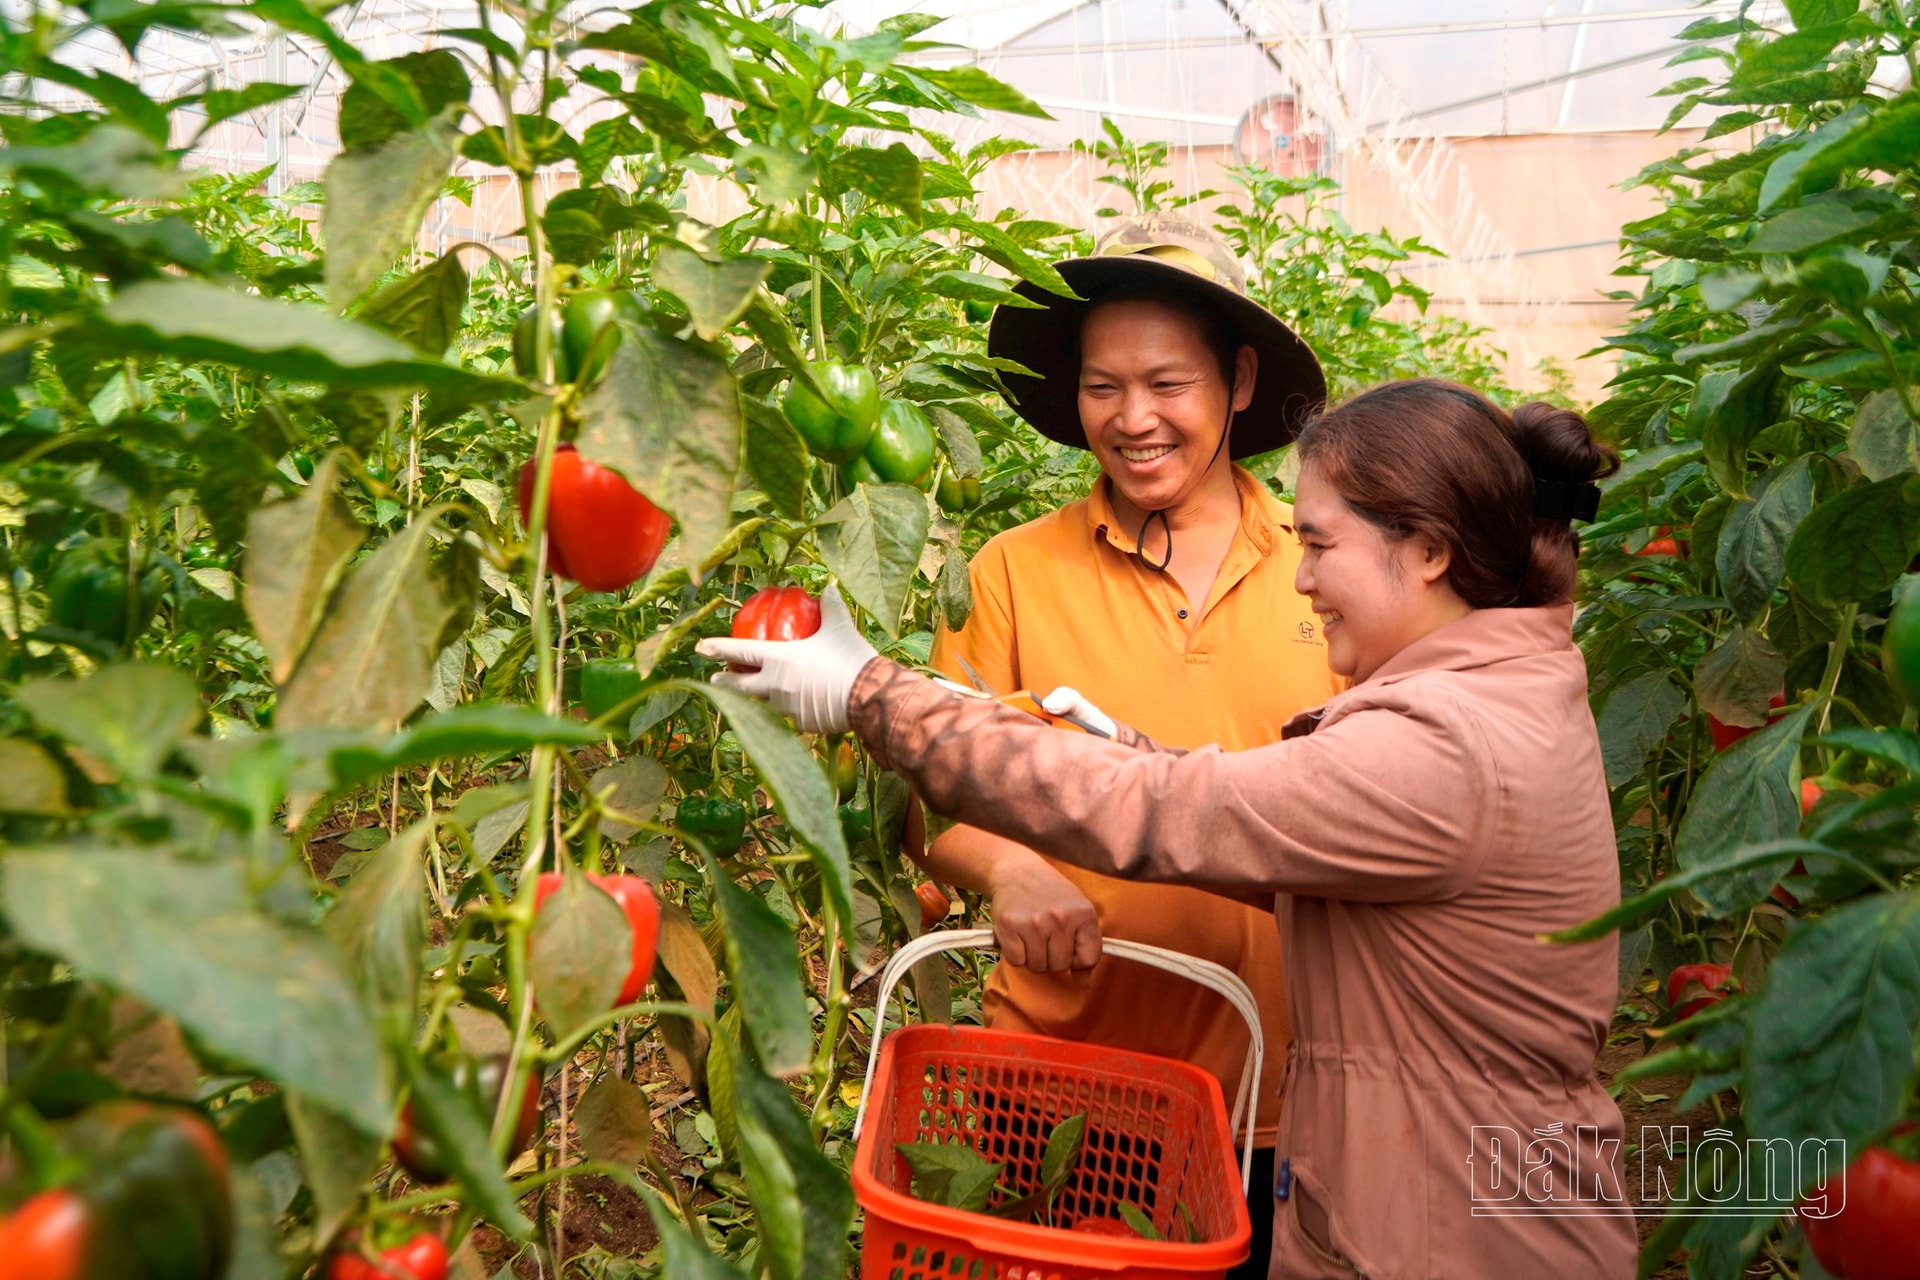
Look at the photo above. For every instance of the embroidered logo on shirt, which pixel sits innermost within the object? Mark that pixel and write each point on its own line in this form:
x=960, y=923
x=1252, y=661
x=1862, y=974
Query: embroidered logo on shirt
x=1308, y=634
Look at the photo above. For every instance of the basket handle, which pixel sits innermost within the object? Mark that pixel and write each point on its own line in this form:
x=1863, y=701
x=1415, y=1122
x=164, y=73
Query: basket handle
x=1216, y=978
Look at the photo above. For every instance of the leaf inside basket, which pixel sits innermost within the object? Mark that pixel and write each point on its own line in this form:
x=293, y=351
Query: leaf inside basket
x=955, y=1175
x=951, y=1174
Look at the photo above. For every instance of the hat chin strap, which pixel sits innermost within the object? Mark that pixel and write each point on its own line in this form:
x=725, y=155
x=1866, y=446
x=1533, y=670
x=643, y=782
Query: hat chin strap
x=1140, y=541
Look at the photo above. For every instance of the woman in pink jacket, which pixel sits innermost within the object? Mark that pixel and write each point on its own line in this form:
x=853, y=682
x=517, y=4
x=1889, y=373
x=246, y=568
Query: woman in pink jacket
x=1418, y=834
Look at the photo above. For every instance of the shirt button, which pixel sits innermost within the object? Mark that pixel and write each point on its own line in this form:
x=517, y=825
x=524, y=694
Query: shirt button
x=1183, y=613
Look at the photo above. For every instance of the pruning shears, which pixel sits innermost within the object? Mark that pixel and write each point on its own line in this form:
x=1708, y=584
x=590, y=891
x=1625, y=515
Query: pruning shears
x=1019, y=700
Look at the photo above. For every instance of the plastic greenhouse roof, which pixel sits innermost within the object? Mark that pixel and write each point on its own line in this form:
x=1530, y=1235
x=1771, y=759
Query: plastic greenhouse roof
x=1187, y=71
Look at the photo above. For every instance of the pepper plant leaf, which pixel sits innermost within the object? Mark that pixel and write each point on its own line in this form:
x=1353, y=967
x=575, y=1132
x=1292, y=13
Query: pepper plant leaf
x=667, y=416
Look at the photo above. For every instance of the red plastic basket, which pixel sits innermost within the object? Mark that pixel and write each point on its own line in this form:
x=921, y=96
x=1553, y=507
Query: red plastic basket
x=1157, y=1137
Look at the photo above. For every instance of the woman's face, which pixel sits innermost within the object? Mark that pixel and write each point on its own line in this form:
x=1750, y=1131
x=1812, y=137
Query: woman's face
x=1153, y=402
x=1375, y=594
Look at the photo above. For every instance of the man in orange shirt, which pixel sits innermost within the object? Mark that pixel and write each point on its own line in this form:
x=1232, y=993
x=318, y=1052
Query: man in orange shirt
x=1158, y=598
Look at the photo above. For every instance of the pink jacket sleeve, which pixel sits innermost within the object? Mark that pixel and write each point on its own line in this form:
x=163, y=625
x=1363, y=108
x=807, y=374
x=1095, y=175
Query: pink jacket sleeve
x=1382, y=805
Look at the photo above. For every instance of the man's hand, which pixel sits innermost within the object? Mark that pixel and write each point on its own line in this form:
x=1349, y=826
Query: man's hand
x=1041, y=921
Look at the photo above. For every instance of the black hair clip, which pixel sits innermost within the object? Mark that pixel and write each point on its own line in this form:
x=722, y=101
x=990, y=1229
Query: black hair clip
x=1560, y=500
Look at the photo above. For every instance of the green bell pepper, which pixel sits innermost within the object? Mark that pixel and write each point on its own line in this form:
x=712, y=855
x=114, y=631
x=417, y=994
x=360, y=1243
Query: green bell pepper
x=605, y=683
x=955, y=493
x=856, y=826
x=860, y=471
x=719, y=822
x=901, y=451
x=838, y=426
x=87, y=593
x=526, y=332
x=584, y=328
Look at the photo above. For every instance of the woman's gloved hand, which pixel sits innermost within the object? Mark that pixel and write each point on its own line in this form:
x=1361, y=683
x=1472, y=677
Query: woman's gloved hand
x=810, y=680
x=1068, y=701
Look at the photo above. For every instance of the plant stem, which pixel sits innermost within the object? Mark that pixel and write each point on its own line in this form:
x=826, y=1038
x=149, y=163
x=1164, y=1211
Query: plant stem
x=826, y=1059
x=819, y=324
x=541, y=765
x=1836, y=660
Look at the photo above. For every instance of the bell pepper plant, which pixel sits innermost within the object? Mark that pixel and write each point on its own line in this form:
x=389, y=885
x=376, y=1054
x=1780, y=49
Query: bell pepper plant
x=860, y=471
x=588, y=332
x=605, y=683
x=51, y=1236
x=956, y=493
x=87, y=593
x=526, y=351
x=843, y=766
x=1900, y=647
x=1725, y=735
x=934, y=903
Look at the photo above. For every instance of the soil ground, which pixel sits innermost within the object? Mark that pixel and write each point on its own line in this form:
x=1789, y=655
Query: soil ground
x=1649, y=1102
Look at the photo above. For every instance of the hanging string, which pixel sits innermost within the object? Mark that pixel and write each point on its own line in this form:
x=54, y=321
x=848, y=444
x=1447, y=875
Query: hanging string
x=1140, y=542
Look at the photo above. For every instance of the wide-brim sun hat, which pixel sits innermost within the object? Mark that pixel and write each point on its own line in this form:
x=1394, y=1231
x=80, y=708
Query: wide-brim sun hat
x=1156, y=255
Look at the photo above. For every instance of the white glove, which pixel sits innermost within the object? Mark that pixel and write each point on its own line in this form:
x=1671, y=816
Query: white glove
x=810, y=680
x=1068, y=701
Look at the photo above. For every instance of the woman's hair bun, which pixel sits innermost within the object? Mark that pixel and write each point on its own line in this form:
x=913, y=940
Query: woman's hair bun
x=1558, y=445
x=1427, y=456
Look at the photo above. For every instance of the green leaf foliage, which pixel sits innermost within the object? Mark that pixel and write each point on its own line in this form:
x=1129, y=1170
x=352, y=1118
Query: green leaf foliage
x=667, y=416
x=1830, y=1054
x=766, y=981
x=184, y=937
x=978, y=88
x=370, y=662
x=194, y=320
x=802, y=1200
x=1856, y=543
x=444, y=1111
x=375, y=200
x=1746, y=797
x=1736, y=679
x=574, y=932
x=872, y=540
x=715, y=293
x=422, y=308
x=776, y=458
x=481, y=729
x=337, y=1156
x=298, y=550
x=1883, y=439
x=380, y=926
x=1636, y=718
x=131, y=715
x=800, y=791
x=1751, y=555
x=951, y=1174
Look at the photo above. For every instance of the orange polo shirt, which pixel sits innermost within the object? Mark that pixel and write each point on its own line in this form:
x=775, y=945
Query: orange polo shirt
x=1064, y=601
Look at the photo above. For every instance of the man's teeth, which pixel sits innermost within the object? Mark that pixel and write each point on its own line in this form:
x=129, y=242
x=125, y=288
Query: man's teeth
x=1146, y=455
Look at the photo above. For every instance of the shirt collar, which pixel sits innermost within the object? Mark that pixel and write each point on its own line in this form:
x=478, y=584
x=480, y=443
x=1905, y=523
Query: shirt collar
x=1480, y=639
x=1262, y=515
x=1483, y=637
